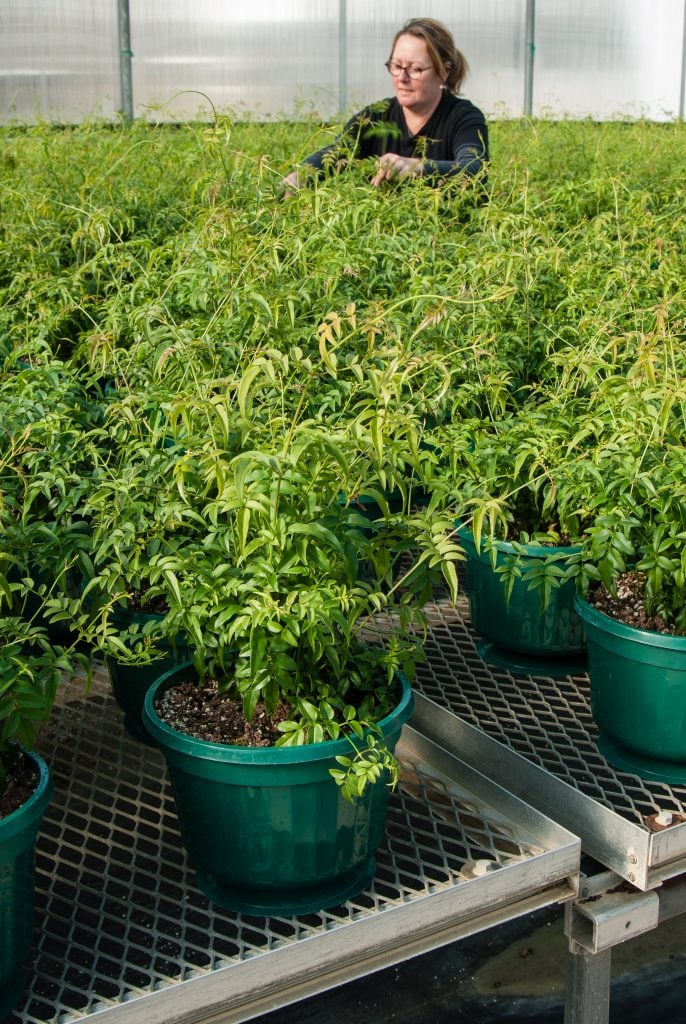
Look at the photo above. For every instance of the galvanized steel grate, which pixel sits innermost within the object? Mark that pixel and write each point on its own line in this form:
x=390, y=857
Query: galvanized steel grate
x=118, y=915
x=548, y=721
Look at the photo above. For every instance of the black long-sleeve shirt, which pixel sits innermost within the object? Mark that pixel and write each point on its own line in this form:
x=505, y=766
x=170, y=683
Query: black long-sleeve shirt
x=454, y=140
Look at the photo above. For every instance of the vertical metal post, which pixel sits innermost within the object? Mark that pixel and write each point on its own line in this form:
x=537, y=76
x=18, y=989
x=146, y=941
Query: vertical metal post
x=342, y=56
x=530, y=50
x=125, y=55
x=587, y=986
x=682, y=95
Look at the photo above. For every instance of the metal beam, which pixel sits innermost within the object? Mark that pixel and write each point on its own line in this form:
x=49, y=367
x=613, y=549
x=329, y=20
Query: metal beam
x=608, y=914
x=530, y=51
x=587, y=986
x=342, y=56
x=607, y=920
x=125, y=55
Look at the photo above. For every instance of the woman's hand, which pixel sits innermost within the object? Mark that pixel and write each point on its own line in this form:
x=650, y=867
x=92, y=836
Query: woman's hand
x=391, y=166
x=291, y=183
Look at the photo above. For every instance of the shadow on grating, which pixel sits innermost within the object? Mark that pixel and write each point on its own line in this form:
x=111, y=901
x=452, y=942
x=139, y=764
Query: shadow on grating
x=548, y=721
x=117, y=913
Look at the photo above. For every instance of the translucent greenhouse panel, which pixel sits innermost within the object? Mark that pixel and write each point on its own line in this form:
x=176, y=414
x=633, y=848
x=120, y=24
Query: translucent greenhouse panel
x=265, y=59
x=608, y=58
x=58, y=60
x=490, y=33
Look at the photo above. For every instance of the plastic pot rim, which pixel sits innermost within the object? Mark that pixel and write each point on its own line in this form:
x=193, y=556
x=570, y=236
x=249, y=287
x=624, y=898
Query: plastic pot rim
x=234, y=754
x=532, y=550
x=17, y=821
x=606, y=624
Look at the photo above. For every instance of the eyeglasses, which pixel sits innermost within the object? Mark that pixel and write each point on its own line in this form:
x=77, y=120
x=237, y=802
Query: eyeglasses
x=413, y=70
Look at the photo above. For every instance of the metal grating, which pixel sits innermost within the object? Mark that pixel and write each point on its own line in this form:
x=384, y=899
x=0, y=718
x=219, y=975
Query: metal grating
x=548, y=721
x=118, y=917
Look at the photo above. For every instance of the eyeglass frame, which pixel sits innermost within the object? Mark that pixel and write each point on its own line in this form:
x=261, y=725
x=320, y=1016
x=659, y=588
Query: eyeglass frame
x=409, y=68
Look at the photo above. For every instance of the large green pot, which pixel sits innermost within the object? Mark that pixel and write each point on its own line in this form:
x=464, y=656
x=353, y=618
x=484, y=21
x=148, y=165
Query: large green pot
x=130, y=683
x=266, y=828
x=18, y=832
x=521, y=625
x=638, y=695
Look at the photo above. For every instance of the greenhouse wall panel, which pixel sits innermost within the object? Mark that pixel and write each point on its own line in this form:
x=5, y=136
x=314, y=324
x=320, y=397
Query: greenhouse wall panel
x=264, y=59
x=489, y=34
x=618, y=58
x=58, y=60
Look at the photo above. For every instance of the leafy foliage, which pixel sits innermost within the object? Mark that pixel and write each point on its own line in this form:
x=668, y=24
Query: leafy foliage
x=267, y=413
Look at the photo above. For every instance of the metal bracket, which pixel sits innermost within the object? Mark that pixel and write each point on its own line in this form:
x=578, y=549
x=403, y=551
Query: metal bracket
x=606, y=920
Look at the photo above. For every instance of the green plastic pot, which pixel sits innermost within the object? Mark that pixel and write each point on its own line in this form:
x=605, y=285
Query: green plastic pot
x=18, y=832
x=59, y=633
x=521, y=624
x=637, y=685
x=130, y=683
x=266, y=828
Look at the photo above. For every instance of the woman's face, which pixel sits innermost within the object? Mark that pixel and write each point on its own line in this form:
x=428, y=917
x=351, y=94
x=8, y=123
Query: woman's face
x=418, y=95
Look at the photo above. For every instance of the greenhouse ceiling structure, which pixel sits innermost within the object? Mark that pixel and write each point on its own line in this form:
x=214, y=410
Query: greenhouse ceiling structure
x=67, y=60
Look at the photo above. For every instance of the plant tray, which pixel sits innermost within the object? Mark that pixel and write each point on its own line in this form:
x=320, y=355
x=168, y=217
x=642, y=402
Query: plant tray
x=537, y=736
x=123, y=933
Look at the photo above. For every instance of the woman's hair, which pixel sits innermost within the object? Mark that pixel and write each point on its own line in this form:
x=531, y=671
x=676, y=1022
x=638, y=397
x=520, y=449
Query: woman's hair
x=441, y=47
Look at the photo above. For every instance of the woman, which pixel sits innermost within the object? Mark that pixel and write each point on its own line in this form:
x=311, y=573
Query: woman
x=426, y=130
